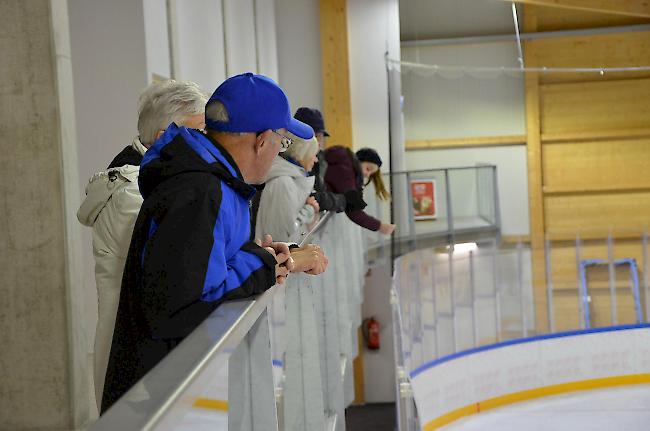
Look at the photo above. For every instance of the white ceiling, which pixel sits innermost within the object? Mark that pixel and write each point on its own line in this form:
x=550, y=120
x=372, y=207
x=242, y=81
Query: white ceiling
x=435, y=19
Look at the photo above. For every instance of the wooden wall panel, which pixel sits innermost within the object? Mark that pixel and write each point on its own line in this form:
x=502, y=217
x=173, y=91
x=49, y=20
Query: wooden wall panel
x=596, y=165
x=548, y=19
x=615, y=7
x=589, y=106
x=600, y=50
x=337, y=102
x=571, y=213
x=588, y=138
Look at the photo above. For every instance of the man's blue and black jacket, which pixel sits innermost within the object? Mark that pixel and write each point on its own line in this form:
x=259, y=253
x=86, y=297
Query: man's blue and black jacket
x=190, y=250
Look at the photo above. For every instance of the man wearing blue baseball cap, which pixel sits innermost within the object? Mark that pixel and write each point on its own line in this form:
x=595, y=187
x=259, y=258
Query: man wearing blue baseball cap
x=191, y=247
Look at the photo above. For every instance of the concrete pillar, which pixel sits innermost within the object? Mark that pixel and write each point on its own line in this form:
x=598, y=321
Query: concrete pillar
x=43, y=364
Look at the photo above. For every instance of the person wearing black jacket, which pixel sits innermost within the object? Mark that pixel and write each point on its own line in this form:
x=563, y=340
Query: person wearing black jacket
x=327, y=200
x=190, y=250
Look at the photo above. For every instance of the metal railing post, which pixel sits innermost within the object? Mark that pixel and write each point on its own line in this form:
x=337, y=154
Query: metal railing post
x=646, y=278
x=583, y=292
x=433, y=305
x=411, y=212
x=497, y=207
x=473, y=298
x=450, y=215
x=450, y=255
x=400, y=372
x=520, y=282
x=612, y=278
x=549, y=285
x=497, y=290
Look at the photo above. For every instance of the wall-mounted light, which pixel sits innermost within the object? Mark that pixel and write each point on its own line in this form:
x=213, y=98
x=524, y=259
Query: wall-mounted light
x=464, y=247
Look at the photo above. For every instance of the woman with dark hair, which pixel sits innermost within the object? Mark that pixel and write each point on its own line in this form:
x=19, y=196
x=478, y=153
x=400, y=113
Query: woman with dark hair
x=347, y=173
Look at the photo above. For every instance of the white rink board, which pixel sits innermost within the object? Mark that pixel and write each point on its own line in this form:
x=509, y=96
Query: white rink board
x=476, y=375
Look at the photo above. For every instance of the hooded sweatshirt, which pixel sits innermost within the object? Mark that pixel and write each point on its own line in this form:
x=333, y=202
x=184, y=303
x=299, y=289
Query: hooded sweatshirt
x=282, y=212
x=190, y=251
x=344, y=174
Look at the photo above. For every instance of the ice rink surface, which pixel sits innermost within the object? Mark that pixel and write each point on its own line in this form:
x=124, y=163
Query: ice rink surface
x=624, y=408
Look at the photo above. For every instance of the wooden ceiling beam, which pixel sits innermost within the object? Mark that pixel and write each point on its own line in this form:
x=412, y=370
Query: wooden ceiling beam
x=640, y=8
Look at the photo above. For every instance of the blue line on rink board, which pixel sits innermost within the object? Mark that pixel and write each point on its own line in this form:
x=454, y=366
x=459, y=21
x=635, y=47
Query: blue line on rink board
x=436, y=362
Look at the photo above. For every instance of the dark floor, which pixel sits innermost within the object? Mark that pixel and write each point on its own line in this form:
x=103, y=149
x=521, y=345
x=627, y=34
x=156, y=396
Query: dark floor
x=371, y=417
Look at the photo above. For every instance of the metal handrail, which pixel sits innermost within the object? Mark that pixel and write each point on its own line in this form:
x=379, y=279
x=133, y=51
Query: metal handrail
x=220, y=333
x=223, y=330
x=324, y=218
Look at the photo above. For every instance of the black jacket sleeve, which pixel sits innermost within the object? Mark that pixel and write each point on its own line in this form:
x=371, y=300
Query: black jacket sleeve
x=328, y=201
x=186, y=272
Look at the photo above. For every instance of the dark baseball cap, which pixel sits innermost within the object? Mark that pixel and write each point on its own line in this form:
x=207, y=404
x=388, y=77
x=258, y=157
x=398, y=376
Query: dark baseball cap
x=313, y=117
x=255, y=103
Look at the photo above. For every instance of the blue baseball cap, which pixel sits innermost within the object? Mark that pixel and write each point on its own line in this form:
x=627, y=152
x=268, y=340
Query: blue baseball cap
x=255, y=103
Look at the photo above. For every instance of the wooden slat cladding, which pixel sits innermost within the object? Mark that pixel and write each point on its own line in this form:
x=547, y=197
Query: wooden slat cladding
x=592, y=106
x=582, y=167
x=337, y=102
x=467, y=142
x=602, y=211
x=594, y=51
x=588, y=138
x=548, y=19
x=615, y=7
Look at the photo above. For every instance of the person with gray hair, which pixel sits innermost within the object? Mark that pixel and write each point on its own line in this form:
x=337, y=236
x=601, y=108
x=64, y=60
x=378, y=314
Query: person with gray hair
x=113, y=201
x=286, y=208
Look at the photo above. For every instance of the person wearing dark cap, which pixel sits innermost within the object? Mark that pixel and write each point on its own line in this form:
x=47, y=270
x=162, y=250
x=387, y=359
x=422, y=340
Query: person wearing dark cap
x=348, y=173
x=327, y=200
x=191, y=246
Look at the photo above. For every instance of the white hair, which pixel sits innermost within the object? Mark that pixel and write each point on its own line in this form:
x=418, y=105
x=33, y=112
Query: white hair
x=302, y=149
x=217, y=111
x=165, y=102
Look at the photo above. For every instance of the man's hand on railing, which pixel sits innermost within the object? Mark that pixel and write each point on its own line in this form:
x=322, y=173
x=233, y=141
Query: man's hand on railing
x=309, y=259
x=282, y=254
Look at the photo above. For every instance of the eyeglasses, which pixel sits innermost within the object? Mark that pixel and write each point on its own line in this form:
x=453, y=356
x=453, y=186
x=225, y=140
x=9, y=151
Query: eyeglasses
x=285, y=141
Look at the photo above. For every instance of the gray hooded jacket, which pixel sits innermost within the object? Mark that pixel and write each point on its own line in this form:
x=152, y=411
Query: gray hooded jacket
x=283, y=213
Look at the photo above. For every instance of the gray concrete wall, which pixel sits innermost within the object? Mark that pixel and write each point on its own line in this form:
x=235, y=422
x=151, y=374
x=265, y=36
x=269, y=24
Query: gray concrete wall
x=37, y=358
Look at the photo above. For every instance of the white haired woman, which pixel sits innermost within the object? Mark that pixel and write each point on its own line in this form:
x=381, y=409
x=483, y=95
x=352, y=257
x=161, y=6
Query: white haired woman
x=286, y=208
x=113, y=201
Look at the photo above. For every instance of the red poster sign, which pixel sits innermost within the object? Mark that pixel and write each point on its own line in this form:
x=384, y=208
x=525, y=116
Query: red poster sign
x=423, y=193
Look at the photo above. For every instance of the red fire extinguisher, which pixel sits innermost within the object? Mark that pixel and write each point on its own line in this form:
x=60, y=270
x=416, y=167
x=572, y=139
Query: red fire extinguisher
x=370, y=329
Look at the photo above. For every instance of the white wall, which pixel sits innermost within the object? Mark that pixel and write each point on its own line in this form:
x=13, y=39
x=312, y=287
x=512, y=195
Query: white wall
x=199, y=55
x=157, y=39
x=266, y=38
x=373, y=29
x=240, y=36
x=464, y=104
x=512, y=177
x=117, y=46
x=456, y=104
x=107, y=79
x=299, y=52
